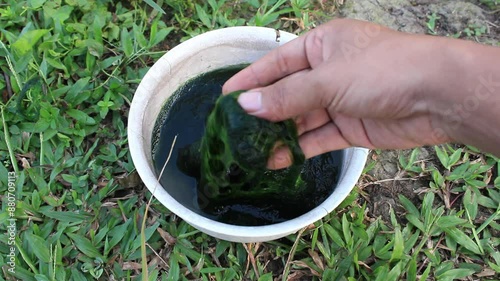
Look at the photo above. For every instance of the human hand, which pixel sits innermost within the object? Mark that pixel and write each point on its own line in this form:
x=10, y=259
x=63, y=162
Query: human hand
x=347, y=83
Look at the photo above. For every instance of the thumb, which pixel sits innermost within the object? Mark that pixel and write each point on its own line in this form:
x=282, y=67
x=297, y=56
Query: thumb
x=289, y=97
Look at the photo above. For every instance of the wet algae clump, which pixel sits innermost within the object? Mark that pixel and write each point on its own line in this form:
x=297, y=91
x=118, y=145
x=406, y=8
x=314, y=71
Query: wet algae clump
x=234, y=152
x=219, y=164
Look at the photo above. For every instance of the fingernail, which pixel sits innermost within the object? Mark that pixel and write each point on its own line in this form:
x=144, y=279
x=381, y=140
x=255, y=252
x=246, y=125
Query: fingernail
x=251, y=101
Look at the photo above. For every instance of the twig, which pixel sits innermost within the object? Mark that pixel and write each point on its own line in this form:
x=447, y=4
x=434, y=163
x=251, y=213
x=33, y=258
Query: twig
x=11, y=67
x=251, y=257
x=145, y=273
x=291, y=254
x=426, y=261
x=154, y=13
x=10, y=92
x=492, y=12
x=389, y=180
x=489, y=22
x=8, y=143
x=214, y=257
x=166, y=264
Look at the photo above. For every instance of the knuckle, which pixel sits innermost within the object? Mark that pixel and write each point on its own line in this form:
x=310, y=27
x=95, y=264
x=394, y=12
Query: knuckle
x=256, y=75
x=283, y=64
x=301, y=123
x=278, y=102
x=313, y=44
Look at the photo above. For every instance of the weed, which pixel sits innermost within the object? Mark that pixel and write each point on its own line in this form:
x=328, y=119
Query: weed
x=492, y=4
x=431, y=23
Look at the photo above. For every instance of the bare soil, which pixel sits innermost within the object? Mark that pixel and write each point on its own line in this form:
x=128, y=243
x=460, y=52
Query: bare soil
x=453, y=17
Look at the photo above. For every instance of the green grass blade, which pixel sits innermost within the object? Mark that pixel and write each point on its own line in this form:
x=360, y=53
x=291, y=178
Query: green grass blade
x=127, y=44
x=449, y=221
x=397, y=252
x=68, y=217
x=27, y=40
x=426, y=273
x=489, y=220
x=442, y=156
x=411, y=275
x=455, y=274
x=462, y=239
x=346, y=230
x=26, y=258
x=334, y=235
x=416, y=222
x=455, y=157
x=39, y=248
x=8, y=142
x=155, y=6
x=22, y=274
x=85, y=246
x=409, y=206
x=470, y=204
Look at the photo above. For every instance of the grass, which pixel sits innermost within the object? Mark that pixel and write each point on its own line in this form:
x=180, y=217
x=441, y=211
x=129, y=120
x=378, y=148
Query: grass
x=69, y=70
x=492, y=4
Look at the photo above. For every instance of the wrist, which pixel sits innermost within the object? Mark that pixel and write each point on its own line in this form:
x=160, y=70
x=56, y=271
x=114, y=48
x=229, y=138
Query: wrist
x=435, y=69
x=465, y=99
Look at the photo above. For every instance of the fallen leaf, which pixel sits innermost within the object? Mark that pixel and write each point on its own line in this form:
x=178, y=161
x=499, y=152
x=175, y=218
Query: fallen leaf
x=304, y=265
x=486, y=272
x=129, y=181
x=166, y=236
x=317, y=260
x=129, y=265
x=25, y=163
x=297, y=275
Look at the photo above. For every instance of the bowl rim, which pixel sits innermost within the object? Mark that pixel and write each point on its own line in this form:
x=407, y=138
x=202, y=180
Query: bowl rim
x=237, y=233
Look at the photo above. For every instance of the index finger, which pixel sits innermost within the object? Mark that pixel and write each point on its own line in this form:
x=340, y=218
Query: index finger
x=280, y=62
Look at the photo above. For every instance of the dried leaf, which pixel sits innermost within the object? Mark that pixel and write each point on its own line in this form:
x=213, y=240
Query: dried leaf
x=166, y=236
x=129, y=265
x=316, y=258
x=486, y=272
x=305, y=265
x=130, y=181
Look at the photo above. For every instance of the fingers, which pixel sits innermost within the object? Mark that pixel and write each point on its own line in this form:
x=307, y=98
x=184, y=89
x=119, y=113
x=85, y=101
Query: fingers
x=311, y=120
x=292, y=96
x=280, y=62
x=324, y=139
x=307, y=51
x=305, y=123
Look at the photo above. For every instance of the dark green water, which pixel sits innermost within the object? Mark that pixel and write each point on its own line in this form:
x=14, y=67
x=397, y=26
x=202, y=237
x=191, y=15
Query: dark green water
x=184, y=115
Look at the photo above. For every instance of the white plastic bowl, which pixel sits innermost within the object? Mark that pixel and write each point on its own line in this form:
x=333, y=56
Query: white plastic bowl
x=206, y=52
